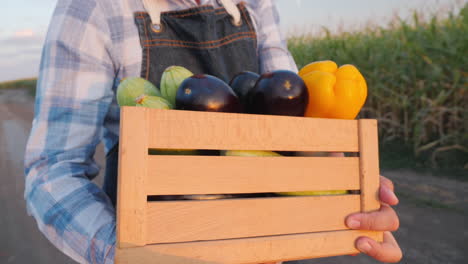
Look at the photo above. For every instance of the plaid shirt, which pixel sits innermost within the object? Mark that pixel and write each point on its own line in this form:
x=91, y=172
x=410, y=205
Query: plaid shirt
x=91, y=44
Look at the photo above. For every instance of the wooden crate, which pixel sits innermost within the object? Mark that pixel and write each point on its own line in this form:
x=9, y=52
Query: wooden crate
x=249, y=230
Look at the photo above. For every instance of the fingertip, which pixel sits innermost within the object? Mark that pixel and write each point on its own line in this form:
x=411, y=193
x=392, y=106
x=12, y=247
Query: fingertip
x=353, y=221
x=369, y=247
x=396, y=224
x=387, y=251
x=364, y=245
x=388, y=196
x=392, y=245
x=389, y=238
x=387, y=182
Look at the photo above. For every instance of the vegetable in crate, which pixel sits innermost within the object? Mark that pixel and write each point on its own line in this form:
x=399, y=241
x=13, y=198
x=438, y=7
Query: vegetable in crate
x=155, y=102
x=242, y=83
x=334, y=92
x=250, y=153
x=279, y=93
x=274, y=93
x=171, y=79
x=133, y=88
x=203, y=92
x=208, y=93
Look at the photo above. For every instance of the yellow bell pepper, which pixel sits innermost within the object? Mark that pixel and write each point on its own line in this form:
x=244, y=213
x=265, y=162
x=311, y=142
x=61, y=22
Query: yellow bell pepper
x=334, y=92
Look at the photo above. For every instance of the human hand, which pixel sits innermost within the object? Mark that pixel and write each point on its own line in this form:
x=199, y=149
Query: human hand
x=385, y=219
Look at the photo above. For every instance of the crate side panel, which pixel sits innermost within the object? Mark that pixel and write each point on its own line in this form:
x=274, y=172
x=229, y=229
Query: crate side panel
x=177, y=175
x=174, y=129
x=369, y=165
x=183, y=221
x=131, y=201
x=247, y=250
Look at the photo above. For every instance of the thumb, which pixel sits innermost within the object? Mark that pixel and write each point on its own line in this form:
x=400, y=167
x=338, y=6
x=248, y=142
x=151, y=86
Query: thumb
x=387, y=251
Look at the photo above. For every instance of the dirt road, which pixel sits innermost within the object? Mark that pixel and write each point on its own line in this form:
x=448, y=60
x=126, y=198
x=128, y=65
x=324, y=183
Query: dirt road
x=433, y=211
x=433, y=215
x=20, y=240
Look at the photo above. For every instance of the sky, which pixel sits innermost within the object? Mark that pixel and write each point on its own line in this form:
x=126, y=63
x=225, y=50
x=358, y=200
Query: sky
x=24, y=23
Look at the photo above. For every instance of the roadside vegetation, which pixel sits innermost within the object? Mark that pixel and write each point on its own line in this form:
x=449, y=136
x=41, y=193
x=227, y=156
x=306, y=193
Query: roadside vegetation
x=417, y=75
x=29, y=84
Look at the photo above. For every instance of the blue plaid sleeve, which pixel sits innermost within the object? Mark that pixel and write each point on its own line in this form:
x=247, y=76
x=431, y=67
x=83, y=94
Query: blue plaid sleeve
x=73, y=97
x=272, y=46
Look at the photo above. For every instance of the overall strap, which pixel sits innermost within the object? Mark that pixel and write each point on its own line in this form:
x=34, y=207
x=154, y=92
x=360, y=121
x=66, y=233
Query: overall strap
x=154, y=12
x=232, y=10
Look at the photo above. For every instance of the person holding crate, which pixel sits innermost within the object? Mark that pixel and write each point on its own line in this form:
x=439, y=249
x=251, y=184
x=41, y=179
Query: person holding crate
x=90, y=46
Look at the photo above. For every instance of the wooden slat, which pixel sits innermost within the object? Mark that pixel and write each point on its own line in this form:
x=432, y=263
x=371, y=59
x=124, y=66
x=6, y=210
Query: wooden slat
x=131, y=201
x=202, y=130
x=176, y=175
x=369, y=162
x=248, y=250
x=183, y=221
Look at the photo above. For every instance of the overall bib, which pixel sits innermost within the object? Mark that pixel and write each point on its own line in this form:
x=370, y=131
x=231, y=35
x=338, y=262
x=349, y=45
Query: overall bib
x=203, y=39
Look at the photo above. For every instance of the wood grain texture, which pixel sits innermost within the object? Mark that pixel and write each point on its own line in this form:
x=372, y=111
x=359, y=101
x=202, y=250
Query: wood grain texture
x=240, y=230
x=247, y=250
x=131, y=200
x=177, y=129
x=184, y=221
x=369, y=161
x=176, y=175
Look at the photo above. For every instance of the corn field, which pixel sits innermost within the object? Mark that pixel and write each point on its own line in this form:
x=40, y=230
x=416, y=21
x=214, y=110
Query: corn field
x=417, y=76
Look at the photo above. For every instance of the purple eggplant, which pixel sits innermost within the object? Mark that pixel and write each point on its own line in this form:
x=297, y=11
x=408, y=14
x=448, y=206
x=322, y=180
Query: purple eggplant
x=203, y=92
x=279, y=93
x=242, y=83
